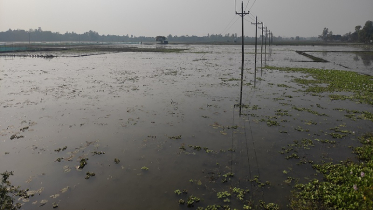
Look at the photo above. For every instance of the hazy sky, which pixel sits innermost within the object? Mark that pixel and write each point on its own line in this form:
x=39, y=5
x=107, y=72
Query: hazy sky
x=184, y=17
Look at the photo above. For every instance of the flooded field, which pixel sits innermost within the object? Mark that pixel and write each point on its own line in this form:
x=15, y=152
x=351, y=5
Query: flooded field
x=151, y=130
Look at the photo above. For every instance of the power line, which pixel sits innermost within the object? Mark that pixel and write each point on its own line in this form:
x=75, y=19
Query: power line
x=249, y=21
x=252, y=15
x=252, y=5
x=247, y=4
x=253, y=19
x=230, y=24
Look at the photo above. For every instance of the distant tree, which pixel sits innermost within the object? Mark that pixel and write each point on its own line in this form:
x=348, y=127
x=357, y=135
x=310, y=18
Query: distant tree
x=357, y=28
x=346, y=37
x=330, y=36
x=93, y=36
x=324, y=34
x=366, y=34
x=355, y=35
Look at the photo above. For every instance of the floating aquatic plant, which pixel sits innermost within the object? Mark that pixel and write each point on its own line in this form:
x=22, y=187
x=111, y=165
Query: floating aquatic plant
x=346, y=185
x=223, y=194
x=337, y=81
x=269, y=206
x=177, y=192
x=192, y=199
x=181, y=201
x=9, y=192
x=175, y=137
x=83, y=162
x=89, y=174
x=98, y=153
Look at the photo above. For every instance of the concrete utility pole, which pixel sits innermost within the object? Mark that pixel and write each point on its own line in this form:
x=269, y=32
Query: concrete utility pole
x=261, y=52
x=265, y=48
x=242, y=14
x=269, y=38
x=256, y=42
x=272, y=37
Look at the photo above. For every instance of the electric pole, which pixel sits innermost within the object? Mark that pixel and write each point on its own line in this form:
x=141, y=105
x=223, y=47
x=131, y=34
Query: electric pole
x=265, y=48
x=269, y=38
x=242, y=14
x=256, y=42
x=261, y=51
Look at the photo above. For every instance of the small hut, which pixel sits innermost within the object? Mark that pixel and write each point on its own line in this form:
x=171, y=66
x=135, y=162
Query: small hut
x=161, y=40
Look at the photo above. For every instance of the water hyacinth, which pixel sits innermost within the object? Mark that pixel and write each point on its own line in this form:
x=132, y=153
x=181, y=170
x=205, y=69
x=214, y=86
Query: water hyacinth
x=331, y=193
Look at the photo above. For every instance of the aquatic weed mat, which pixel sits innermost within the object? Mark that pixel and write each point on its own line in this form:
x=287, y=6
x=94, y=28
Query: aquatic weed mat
x=337, y=81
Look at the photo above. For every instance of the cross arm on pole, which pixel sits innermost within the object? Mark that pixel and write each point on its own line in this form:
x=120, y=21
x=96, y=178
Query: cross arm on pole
x=242, y=13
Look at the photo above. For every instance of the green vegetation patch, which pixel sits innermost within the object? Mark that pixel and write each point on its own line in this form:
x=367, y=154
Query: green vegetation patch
x=230, y=79
x=9, y=192
x=355, y=114
x=283, y=85
x=365, y=152
x=346, y=185
x=308, y=110
x=336, y=81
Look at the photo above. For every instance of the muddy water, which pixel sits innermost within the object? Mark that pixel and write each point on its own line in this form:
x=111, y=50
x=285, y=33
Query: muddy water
x=141, y=108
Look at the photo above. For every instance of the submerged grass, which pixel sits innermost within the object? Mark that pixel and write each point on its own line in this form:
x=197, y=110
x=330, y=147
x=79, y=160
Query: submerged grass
x=337, y=81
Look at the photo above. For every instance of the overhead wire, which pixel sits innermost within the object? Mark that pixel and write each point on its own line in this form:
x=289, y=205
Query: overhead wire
x=252, y=5
x=247, y=5
x=230, y=24
x=253, y=16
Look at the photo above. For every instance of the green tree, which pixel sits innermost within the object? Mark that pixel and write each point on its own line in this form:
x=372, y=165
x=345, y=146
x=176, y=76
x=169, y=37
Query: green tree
x=357, y=28
x=366, y=34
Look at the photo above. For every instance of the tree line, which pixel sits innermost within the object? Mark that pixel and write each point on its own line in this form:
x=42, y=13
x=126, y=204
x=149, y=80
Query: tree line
x=361, y=34
x=38, y=35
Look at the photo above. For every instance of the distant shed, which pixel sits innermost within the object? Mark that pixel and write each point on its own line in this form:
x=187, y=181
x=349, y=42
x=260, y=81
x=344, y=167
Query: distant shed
x=161, y=40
